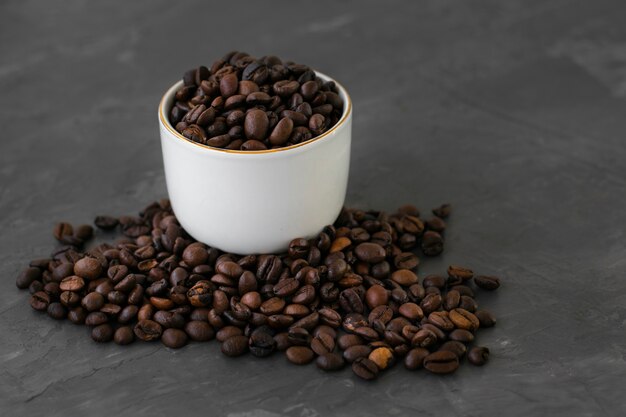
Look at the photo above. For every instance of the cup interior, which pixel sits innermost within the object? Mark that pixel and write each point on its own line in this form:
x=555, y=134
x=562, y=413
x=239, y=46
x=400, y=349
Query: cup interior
x=168, y=101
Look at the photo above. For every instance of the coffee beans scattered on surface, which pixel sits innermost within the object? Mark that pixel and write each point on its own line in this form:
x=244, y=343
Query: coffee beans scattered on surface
x=249, y=104
x=350, y=295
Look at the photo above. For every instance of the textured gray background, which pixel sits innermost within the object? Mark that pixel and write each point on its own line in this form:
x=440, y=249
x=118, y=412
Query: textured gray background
x=513, y=111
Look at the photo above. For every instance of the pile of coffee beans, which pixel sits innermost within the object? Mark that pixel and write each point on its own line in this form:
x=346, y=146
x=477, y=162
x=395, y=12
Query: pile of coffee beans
x=249, y=104
x=351, y=295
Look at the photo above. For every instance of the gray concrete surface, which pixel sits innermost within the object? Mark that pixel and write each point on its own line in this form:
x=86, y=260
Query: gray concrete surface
x=512, y=111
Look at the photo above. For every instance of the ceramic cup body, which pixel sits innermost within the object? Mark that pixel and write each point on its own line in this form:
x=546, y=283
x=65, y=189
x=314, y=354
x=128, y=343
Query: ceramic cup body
x=256, y=202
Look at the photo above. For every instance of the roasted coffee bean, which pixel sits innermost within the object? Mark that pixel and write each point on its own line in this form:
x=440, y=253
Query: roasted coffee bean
x=95, y=318
x=102, y=333
x=256, y=124
x=442, y=320
x=299, y=355
x=72, y=283
x=227, y=332
x=434, y=281
x=430, y=303
x=485, y=318
x=441, y=362
x=93, y=301
x=411, y=311
x=404, y=277
x=235, y=346
x=376, y=296
x=478, y=355
x=460, y=272
x=461, y=335
x=383, y=357
x=365, y=368
x=424, y=338
x=370, y=252
x=468, y=303
x=322, y=343
x=330, y=361
x=406, y=260
x=57, y=311
x=200, y=331
x=487, y=283
x=286, y=287
x=261, y=343
x=195, y=254
x=27, y=277
x=432, y=243
x=174, y=338
x=124, y=335
x=442, y=211
x=88, y=268
x=414, y=358
x=455, y=347
x=463, y=319
x=355, y=352
x=77, y=315
x=347, y=340
x=106, y=222
x=148, y=330
x=62, y=231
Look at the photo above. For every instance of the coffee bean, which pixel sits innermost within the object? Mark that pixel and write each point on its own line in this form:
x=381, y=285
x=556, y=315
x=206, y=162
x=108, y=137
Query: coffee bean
x=414, y=358
x=463, y=319
x=455, y=347
x=330, y=361
x=487, y=283
x=124, y=335
x=281, y=132
x=347, y=340
x=95, y=318
x=148, y=330
x=235, y=346
x=441, y=362
x=62, y=231
x=432, y=243
x=478, y=355
x=485, y=318
x=93, y=301
x=383, y=357
x=200, y=331
x=106, y=222
x=56, y=311
x=365, y=368
x=227, y=332
x=299, y=355
x=322, y=343
x=261, y=343
x=174, y=338
x=256, y=124
x=355, y=352
x=376, y=296
x=404, y=277
x=411, y=311
x=370, y=252
x=461, y=335
x=460, y=272
x=27, y=277
x=88, y=268
x=442, y=211
x=442, y=320
x=72, y=283
x=406, y=260
x=102, y=333
x=430, y=303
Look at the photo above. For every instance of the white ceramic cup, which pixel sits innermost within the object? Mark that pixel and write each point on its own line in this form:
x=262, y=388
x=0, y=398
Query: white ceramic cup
x=252, y=202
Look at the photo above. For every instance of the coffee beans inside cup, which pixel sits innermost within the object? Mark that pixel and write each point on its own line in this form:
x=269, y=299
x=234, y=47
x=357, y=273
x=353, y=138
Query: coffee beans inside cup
x=252, y=104
x=349, y=296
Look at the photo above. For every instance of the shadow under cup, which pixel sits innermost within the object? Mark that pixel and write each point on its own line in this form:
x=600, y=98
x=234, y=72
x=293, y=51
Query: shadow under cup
x=252, y=202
